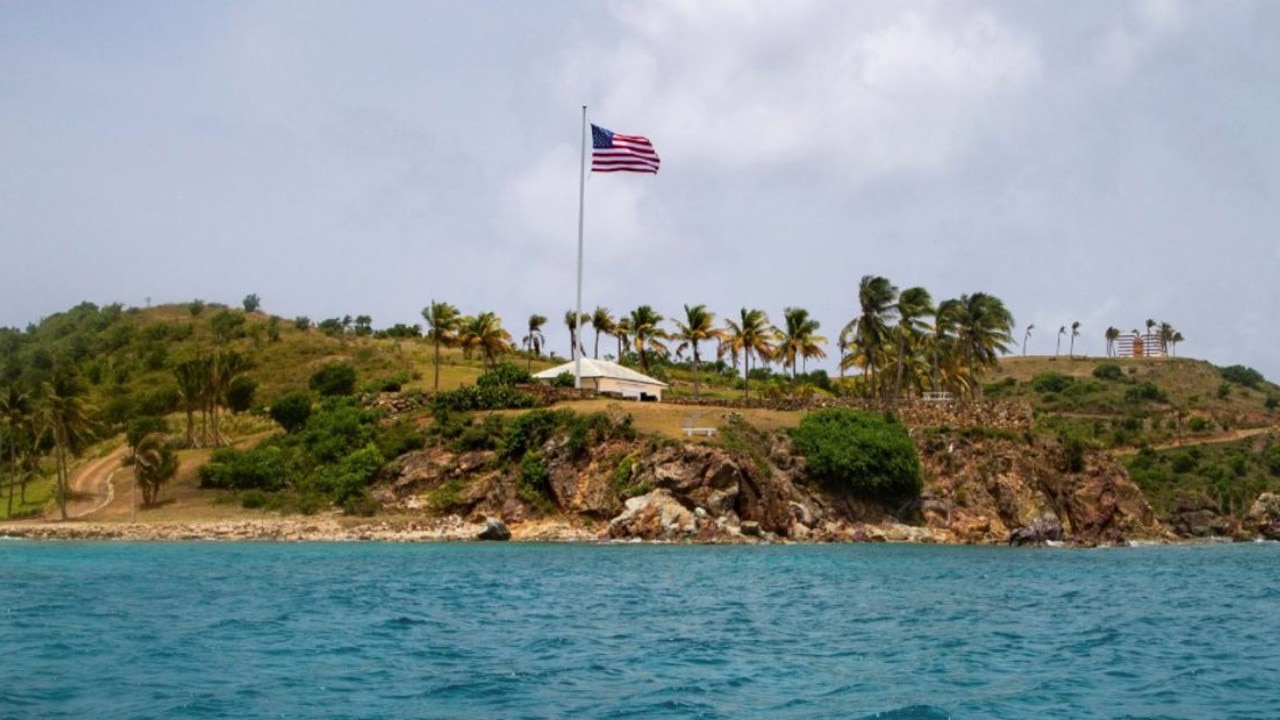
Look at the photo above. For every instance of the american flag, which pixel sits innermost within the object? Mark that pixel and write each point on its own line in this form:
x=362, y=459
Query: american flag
x=615, y=152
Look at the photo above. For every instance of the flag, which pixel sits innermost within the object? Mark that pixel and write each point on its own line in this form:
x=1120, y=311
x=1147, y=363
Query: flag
x=615, y=152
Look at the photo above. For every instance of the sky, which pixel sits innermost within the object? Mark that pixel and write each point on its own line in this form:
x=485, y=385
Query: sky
x=1096, y=162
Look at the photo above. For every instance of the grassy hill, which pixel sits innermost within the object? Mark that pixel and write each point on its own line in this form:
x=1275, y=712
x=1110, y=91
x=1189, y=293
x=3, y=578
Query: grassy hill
x=123, y=360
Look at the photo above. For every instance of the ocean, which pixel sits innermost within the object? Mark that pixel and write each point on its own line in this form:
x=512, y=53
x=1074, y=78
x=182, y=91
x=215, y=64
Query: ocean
x=370, y=630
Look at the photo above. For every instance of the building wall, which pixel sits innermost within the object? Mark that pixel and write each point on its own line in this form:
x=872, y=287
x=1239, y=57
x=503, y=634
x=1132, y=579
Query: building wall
x=626, y=388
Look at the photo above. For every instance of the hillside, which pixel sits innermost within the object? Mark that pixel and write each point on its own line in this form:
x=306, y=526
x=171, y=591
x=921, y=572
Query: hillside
x=1171, y=422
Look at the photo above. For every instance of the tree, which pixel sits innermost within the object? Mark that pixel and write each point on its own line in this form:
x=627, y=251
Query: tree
x=1112, y=334
x=698, y=326
x=1173, y=342
x=1025, y=337
x=334, y=379
x=225, y=367
x=363, y=326
x=1075, y=333
x=192, y=377
x=622, y=331
x=240, y=392
x=868, y=333
x=484, y=333
x=983, y=329
x=154, y=464
x=292, y=411
x=798, y=339
x=944, y=347
x=750, y=335
x=647, y=335
x=1165, y=334
x=535, y=339
x=226, y=325
x=602, y=322
x=251, y=303
x=573, y=321
x=66, y=417
x=914, y=304
x=16, y=412
x=443, y=320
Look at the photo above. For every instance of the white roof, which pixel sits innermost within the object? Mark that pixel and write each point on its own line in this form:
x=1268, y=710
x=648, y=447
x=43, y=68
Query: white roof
x=599, y=368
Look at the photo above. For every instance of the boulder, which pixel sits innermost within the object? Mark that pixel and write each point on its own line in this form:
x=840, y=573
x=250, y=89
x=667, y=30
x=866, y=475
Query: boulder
x=655, y=516
x=1263, y=518
x=1043, y=529
x=494, y=529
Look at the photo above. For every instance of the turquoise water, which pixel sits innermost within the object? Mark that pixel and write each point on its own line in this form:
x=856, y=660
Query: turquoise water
x=204, y=630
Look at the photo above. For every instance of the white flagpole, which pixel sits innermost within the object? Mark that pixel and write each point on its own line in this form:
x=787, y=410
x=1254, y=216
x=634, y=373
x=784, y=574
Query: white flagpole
x=577, y=318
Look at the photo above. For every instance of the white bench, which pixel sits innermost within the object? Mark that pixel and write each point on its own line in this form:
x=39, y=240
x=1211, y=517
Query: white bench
x=691, y=431
x=936, y=396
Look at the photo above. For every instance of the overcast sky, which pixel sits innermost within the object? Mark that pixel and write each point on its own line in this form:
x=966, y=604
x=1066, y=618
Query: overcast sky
x=1100, y=162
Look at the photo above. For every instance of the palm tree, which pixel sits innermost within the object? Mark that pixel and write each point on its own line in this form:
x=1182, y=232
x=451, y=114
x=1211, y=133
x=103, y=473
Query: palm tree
x=485, y=333
x=622, y=331
x=1025, y=337
x=984, y=328
x=1165, y=333
x=751, y=335
x=698, y=326
x=224, y=368
x=153, y=465
x=798, y=340
x=1075, y=333
x=573, y=321
x=869, y=332
x=16, y=412
x=192, y=377
x=1112, y=334
x=1173, y=342
x=602, y=322
x=66, y=417
x=943, y=342
x=1061, y=331
x=534, y=340
x=647, y=336
x=914, y=304
x=443, y=321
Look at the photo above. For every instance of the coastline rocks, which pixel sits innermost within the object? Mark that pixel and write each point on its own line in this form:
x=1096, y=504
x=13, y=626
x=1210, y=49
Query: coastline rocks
x=1197, y=516
x=1263, y=518
x=655, y=516
x=1042, y=530
x=494, y=529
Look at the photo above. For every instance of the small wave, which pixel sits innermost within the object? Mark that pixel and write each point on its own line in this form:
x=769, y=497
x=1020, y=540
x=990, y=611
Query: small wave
x=912, y=712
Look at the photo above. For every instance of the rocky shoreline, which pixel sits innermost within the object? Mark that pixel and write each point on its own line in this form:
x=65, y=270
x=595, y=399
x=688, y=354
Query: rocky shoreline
x=336, y=528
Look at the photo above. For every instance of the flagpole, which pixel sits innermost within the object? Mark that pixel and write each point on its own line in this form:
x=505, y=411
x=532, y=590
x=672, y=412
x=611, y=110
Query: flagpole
x=574, y=333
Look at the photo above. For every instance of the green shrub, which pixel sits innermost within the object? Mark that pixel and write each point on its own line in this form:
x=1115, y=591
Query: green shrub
x=858, y=451
x=505, y=375
x=529, y=431
x=1146, y=391
x=143, y=426
x=263, y=468
x=1108, y=371
x=253, y=500
x=1241, y=375
x=1051, y=382
x=1198, y=423
x=240, y=393
x=564, y=380
x=334, y=379
x=292, y=411
x=534, y=484
x=470, y=398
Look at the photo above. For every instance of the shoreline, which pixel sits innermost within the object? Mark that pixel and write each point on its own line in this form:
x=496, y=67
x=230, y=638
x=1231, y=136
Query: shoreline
x=338, y=528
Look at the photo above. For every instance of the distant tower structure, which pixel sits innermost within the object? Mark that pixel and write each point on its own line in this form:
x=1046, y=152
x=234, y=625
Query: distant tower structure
x=1135, y=345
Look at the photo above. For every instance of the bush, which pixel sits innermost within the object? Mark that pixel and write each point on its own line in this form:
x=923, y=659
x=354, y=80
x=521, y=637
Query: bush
x=505, y=375
x=142, y=426
x=564, y=380
x=1241, y=375
x=1108, y=371
x=334, y=379
x=473, y=397
x=292, y=411
x=1144, y=392
x=240, y=394
x=1051, y=382
x=262, y=468
x=251, y=303
x=859, y=451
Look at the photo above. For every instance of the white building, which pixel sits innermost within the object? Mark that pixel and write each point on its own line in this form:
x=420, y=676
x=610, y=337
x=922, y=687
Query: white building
x=609, y=378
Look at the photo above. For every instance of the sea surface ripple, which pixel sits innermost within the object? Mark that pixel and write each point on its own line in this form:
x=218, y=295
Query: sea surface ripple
x=260, y=630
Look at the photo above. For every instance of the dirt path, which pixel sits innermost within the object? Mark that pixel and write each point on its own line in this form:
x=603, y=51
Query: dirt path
x=1225, y=437
x=90, y=485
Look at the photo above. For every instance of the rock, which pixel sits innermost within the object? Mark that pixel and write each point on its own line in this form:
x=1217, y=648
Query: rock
x=655, y=516
x=1196, y=515
x=751, y=528
x=1263, y=518
x=494, y=529
x=1043, y=529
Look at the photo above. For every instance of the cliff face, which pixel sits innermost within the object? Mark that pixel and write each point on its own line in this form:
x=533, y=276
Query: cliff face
x=977, y=490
